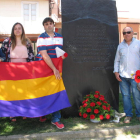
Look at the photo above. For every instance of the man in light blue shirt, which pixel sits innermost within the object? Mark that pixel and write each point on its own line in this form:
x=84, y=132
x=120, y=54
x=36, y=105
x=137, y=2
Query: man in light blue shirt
x=127, y=62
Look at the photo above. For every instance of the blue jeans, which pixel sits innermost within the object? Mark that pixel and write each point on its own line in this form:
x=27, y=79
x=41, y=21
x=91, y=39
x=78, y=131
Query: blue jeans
x=126, y=94
x=56, y=116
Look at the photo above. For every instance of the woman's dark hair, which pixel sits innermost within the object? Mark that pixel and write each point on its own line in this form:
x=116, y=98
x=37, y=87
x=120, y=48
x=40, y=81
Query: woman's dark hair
x=13, y=37
x=48, y=19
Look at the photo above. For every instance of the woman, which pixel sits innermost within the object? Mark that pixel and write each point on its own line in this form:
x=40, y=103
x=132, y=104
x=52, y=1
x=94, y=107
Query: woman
x=17, y=48
x=12, y=47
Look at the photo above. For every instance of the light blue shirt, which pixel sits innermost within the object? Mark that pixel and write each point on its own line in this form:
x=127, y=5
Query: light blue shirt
x=127, y=59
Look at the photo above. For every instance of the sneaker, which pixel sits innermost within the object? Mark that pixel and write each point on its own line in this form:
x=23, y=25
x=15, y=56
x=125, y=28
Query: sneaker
x=127, y=119
x=59, y=125
x=42, y=119
x=120, y=115
x=13, y=119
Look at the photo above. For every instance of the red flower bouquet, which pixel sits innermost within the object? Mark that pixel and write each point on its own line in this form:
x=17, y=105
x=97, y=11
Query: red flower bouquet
x=95, y=107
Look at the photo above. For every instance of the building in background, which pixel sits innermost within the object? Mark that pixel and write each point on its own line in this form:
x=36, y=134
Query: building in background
x=32, y=12
x=127, y=10
x=55, y=14
x=128, y=15
x=28, y=12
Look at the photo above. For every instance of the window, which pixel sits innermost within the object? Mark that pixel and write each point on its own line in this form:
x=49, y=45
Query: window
x=29, y=11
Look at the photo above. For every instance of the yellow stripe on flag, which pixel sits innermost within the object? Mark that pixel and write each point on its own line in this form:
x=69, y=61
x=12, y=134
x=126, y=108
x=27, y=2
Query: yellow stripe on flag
x=30, y=88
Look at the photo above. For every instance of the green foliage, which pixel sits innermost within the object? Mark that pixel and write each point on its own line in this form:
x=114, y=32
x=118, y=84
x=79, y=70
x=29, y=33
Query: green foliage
x=32, y=125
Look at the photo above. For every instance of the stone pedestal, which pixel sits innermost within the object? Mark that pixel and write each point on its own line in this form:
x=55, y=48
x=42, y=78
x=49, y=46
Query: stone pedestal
x=90, y=31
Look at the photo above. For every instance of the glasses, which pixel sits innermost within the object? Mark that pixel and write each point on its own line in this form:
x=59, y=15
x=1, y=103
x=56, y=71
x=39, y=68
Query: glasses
x=124, y=33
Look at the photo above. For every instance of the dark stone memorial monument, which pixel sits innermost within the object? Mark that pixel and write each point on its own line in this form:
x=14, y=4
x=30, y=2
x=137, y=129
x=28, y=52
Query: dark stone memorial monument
x=90, y=31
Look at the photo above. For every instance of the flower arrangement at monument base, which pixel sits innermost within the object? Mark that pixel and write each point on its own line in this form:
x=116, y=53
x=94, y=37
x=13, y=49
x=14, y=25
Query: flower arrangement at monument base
x=95, y=107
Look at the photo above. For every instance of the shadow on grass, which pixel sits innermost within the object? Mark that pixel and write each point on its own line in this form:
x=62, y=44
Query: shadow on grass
x=32, y=125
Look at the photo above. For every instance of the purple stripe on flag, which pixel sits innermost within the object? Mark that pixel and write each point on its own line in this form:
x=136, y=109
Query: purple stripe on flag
x=35, y=107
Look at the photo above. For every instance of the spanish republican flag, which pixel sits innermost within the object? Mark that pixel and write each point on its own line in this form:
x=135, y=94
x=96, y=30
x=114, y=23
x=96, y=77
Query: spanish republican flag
x=31, y=89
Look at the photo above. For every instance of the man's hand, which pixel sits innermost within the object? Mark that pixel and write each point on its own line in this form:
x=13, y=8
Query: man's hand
x=63, y=57
x=49, y=62
x=0, y=60
x=57, y=74
x=117, y=75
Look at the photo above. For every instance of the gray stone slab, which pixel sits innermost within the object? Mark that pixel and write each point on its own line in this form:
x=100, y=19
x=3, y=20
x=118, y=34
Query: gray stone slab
x=90, y=31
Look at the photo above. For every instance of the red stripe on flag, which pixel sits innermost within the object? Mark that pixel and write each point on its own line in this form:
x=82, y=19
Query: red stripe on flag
x=28, y=70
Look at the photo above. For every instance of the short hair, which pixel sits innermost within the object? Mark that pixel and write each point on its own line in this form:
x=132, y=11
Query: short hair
x=47, y=19
x=128, y=27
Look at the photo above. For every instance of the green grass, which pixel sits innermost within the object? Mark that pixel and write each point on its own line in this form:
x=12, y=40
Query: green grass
x=32, y=125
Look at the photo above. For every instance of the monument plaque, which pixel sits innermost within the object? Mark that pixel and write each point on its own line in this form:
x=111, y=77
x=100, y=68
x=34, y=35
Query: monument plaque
x=90, y=31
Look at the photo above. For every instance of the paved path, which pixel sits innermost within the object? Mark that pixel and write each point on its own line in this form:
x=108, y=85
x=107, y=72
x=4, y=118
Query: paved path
x=93, y=134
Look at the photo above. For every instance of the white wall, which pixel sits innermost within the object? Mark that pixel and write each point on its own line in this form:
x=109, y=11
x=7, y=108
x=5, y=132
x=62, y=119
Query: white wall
x=128, y=8
x=11, y=12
